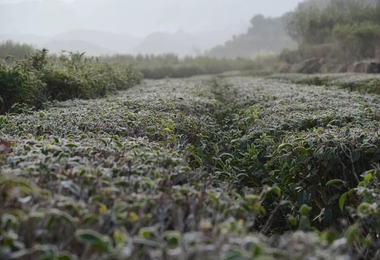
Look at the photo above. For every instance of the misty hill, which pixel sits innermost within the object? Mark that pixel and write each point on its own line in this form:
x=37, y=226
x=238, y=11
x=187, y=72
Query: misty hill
x=264, y=35
x=106, y=40
x=75, y=46
x=82, y=41
x=181, y=43
x=32, y=39
x=187, y=27
x=324, y=3
x=98, y=42
x=133, y=17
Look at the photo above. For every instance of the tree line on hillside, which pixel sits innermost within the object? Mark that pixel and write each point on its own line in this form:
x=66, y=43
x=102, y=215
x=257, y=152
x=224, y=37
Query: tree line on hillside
x=344, y=30
x=337, y=31
x=265, y=35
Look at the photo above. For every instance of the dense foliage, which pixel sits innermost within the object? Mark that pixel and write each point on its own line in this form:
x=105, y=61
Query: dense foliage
x=347, y=30
x=265, y=34
x=238, y=168
x=171, y=66
x=15, y=50
x=351, y=82
x=36, y=79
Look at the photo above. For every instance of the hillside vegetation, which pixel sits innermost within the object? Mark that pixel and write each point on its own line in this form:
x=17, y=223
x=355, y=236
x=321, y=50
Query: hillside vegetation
x=338, y=32
x=96, y=163
x=238, y=168
x=265, y=35
x=172, y=66
x=36, y=79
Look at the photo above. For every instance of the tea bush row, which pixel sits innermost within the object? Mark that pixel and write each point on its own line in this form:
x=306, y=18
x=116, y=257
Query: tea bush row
x=217, y=169
x=172, y=66
x=319, y=146
x=16, y=50
x=37, y=79
x=363, y=83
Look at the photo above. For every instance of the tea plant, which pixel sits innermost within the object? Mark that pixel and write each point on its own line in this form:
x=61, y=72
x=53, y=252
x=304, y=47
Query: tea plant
x=222, y=168
x=38, y=79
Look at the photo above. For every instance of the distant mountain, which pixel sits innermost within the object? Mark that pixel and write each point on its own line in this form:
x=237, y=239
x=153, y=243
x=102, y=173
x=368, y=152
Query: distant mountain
x=181, y=43
x=186, y=27
x=32, y=39
x=98, y=42
x=264, y=35
x=91, y=42
x=75, y=46
x=106, y=40
x=324, y=3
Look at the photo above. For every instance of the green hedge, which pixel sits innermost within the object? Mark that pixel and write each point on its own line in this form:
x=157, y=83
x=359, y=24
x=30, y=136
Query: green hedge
x=39, y=78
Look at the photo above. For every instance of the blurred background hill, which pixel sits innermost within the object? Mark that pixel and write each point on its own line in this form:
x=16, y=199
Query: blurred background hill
x=144, y=26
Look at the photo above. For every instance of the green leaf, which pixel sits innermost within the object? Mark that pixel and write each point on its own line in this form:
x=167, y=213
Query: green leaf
x=330, y=182
x=103, y=141
x=172, y=237
x=145, y=233
x=151, y=129
x=368, y=177
x=62, y=214
x=119, y=236
x=352, y=234
x=120, y=145
x=302, y=150
x=234, y=255
x=342, y=200
x=304, y=224
x=284, y=145
x=91, y=237
x=74, y=188
x=65, y=256
x=257, y=250
x=147, y=242
x=355, y=155
x=276, y=190
x=304, y=210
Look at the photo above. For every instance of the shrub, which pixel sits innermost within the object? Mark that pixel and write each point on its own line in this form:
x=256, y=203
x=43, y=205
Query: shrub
x=40, y=78
x=16, y=50
x=170, y=65
x=19, y=85
x=338, y=31
x=358, y=41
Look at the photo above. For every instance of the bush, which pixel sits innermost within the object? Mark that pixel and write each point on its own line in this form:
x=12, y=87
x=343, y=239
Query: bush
x=339, y=31
x=358, y=41
x=16, y=50
x=170, y=65
x=19, y=85
x=40, y=78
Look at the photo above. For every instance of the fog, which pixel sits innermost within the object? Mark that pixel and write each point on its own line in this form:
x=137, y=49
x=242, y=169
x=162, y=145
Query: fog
x=186, y=27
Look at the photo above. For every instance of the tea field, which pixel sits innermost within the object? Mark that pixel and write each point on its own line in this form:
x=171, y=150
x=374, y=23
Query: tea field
x=199, y=168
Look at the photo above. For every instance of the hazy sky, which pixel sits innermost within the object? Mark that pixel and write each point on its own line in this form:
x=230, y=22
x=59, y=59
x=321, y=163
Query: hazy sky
x=141, y=17
x=132, y=25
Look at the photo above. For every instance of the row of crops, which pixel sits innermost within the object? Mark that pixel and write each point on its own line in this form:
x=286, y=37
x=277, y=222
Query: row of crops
x=235, y=168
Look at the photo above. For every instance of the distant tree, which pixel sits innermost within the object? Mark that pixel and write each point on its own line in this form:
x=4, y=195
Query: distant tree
x=264, y=34
x=14, y=49
x=352, y=25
